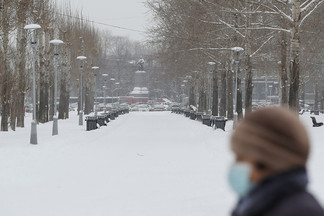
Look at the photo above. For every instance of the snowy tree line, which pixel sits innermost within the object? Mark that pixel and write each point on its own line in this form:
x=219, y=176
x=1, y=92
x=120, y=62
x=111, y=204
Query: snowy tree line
x=282, y=38
x=80, y=37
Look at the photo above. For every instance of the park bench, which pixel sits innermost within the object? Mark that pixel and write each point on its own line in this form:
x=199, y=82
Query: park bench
x=206, y=120
x=91, y=123
x=187, y=113
x=219, y=122
x=193, y=115
x=315, y=112
x=315, y=123
x=199, y=116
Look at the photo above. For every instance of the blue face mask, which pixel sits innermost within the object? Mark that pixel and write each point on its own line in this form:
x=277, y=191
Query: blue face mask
x=239, y=178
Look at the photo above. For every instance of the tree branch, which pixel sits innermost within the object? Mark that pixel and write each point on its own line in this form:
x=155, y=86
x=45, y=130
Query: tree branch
x=309, y=9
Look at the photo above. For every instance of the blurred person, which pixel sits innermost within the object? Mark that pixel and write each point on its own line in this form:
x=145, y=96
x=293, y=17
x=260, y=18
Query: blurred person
x=269, y=176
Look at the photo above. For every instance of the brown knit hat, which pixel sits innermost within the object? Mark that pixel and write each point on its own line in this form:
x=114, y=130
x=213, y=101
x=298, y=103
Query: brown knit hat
x=273, y=136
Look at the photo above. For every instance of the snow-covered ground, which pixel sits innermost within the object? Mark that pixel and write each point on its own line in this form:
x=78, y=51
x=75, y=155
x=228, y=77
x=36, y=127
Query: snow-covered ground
x=142, y=164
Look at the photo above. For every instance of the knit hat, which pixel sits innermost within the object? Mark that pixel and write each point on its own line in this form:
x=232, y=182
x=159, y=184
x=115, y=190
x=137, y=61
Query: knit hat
x=272, y=136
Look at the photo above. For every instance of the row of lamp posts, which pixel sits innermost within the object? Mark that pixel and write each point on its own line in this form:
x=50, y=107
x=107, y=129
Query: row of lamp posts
x=33, y=136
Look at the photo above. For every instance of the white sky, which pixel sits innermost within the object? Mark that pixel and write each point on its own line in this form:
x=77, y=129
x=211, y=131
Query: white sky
x=131, y=14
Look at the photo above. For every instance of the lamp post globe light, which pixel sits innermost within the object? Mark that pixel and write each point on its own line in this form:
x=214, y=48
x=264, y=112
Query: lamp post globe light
x=56, y=43
x=112, y=90
x=211, y=72
x=94, y=68
x=81, y=59
x=32, y=28
x=236, y=54
x=104, y=89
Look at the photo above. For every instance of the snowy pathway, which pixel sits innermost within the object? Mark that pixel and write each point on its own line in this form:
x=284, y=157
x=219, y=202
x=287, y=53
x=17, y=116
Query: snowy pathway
x=142, y=164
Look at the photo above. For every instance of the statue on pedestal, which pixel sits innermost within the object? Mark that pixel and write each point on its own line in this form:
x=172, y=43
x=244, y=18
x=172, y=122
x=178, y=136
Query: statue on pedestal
x=140, y=64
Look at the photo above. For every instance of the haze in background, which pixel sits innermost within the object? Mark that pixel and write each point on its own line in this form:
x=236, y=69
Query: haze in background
x=130, y=14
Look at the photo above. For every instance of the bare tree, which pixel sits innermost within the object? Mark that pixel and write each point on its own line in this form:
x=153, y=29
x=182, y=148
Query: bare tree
x=6, y=69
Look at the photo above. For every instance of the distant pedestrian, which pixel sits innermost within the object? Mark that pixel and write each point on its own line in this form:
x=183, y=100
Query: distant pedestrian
x=269, y=176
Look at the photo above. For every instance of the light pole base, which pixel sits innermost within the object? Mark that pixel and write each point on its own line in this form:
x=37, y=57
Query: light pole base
x=55, y=126
x=33, y=134
x=235, y=120
x=81, y=118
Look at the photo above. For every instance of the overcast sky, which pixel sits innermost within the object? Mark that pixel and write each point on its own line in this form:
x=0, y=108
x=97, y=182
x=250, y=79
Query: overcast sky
x=130, y=14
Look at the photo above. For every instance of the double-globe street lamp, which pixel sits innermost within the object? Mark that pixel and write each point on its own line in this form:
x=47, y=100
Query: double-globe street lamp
x=236, y=54
x=105, y=89
x=95, y=68
x=56, y=43
x=33, y=134
x=81, y=59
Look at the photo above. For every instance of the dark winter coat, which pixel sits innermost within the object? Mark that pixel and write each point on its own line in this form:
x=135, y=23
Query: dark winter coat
x=284, y=194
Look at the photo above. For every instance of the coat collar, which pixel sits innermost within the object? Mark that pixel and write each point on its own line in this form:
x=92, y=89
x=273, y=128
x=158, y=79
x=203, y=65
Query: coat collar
x=270, y=191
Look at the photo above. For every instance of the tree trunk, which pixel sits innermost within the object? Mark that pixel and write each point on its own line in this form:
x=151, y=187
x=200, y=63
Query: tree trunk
x=316, y=99
x=38, y=71
x=50, y=81
x=51, y=97
x=5, y=99
x=248, y=71
x=87, y=106
x=43, y=80
x=215, y=94
x=202, y=97
x=248, y=85
x=6, y=75
x=192, y=95
x=21, y=63
x=43, y=96
x=64, y=100
x=13, y=112
x=302, y=94
x=283, y=69
x=239, y=107
x=65, y=79
x=230, y=113
x=294, y=84
x=294, y=57
x=322, y=104
x=222, y=105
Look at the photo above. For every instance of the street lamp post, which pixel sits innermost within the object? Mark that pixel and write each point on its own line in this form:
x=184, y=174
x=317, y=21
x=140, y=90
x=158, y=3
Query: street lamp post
x=211, y=72
x=56, y=56
x=104, y=88
x=183, y=94
x=33, y=134
x=117, y=92
x=81, y=59
x=104, y=95
x=112, y=90
x=94, y=68
x=184, y=85
x=236, y=51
